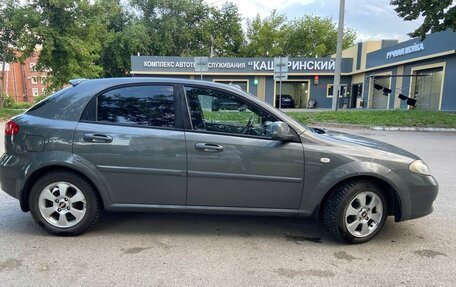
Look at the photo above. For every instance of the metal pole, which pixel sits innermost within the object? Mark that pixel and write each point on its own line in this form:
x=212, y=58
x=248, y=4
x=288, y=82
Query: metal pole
x=340, y=35
x=280, y=91
x=280, y=83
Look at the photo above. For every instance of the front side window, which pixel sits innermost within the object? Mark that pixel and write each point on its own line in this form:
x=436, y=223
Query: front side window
x=218, y=111
x=138, y=105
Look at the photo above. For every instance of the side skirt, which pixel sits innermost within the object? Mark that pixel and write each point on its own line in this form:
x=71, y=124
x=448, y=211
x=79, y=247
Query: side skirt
x=204, y=209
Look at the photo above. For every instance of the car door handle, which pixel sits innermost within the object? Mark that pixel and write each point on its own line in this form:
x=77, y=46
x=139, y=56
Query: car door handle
x=97, y=138
x=206, y=147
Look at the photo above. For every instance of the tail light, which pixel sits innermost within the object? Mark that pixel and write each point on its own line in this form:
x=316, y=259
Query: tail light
x=11, y=128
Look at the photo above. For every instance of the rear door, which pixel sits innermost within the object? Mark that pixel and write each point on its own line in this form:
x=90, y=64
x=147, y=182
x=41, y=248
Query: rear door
x=232, y=160
x=133, y=137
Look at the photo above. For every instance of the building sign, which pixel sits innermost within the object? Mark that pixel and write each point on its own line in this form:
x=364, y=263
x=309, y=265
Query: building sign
x=297, y=65
x=186, y=64
x=405, y=51
x=156, y=65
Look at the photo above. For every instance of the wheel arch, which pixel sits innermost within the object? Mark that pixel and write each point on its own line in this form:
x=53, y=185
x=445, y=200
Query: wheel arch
x=36, y=174
x=389, y=191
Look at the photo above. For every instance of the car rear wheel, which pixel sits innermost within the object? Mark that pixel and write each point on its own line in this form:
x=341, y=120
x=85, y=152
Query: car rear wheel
x=64, y=203
x=355, y=212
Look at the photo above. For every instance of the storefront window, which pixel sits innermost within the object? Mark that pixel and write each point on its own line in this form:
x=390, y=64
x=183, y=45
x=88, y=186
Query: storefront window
x=427, y=88
x=330, y=91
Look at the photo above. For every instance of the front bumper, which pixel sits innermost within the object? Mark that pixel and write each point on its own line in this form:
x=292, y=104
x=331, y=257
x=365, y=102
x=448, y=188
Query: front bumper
x=416, y=194
x=422, y=198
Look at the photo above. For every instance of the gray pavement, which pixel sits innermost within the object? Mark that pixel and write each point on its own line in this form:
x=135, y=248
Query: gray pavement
x=140, y=249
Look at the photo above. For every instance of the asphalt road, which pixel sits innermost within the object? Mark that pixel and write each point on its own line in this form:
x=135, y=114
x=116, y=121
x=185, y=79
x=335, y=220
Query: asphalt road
x=138, y=249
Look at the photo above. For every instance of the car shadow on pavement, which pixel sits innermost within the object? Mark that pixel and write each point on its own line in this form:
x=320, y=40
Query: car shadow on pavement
x=176, y=224
x=301, y=231
x=297, y=230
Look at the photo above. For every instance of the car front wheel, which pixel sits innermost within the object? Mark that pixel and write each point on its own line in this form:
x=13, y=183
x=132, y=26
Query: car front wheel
x=355, y=212
x=64, y=203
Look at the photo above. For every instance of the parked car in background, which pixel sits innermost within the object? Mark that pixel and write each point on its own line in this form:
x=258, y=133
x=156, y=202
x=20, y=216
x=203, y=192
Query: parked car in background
x=287, y=102
x=151, y=144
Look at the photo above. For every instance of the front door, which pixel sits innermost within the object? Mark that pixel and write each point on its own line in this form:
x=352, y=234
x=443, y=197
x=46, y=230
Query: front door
x=232, y=161
x=131, y=136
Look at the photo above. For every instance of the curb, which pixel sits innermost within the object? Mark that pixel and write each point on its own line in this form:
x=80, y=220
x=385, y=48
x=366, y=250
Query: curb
x=385, y=128
x=414, y=129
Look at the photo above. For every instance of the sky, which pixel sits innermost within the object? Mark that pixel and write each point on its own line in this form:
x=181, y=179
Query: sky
x=372, y=19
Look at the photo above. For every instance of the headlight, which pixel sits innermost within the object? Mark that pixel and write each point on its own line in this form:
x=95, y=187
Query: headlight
x=419, y=167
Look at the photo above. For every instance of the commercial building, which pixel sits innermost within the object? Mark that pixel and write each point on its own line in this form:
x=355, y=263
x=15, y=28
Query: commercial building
x=22, y=81
x=382, y=74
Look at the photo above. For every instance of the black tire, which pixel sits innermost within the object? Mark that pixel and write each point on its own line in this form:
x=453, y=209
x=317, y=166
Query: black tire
x=92, y=202
x=335, y=206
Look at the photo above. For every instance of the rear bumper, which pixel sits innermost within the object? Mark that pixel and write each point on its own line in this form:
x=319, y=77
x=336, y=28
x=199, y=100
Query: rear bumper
x=12, y=174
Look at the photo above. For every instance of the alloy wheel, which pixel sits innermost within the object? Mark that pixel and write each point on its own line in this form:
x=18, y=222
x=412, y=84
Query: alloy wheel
x=363, y=214
x=62, y=204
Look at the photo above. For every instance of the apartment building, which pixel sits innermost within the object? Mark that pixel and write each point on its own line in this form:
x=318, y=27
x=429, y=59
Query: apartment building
x=22, y=80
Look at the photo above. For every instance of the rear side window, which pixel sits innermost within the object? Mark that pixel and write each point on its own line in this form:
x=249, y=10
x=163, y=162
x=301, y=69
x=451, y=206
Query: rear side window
x=137, y=105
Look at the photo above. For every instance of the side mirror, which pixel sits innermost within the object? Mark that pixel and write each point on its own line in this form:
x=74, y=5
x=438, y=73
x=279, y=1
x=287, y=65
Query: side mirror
x=281, y=131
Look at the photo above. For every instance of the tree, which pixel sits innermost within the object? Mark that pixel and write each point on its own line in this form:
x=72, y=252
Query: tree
x=265, y=37
x=438, y=14
x=125, y=36
x=175, y=28
x=69, y=33
x=15, y=22
x=225, y=31
x=314, y=36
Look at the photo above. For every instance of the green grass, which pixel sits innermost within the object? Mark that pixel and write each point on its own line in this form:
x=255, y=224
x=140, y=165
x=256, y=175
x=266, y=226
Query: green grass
x=410, y=118
x=6, y=113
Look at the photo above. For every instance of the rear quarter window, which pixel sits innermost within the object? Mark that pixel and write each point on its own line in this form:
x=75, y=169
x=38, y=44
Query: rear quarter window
x=47, y=100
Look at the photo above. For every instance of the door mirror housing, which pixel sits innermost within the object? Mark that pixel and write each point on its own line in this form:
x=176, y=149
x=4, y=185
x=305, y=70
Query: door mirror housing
x=282, y=132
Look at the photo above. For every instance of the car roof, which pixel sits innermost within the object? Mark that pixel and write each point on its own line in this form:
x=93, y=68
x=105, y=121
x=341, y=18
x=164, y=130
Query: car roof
x=133, y=80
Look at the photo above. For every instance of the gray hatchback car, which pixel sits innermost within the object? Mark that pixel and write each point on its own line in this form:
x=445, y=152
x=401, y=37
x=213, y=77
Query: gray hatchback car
x=155, y=144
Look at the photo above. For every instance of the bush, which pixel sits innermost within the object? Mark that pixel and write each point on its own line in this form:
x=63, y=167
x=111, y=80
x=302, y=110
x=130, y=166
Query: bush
x=22, y=105
x=10, y=103
x=39, y=98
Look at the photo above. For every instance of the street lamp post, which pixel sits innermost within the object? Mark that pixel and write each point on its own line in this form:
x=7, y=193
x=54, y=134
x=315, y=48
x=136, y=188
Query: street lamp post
x=340, y=36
